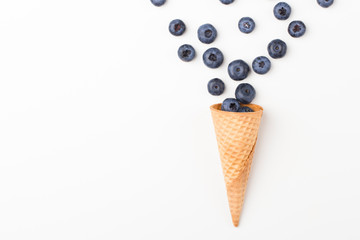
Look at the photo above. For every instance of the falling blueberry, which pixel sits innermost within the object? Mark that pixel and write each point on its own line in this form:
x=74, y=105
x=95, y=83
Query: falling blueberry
x=245, y=93
x=216, y=87
x=177, y=27
x=207, y=33
x=277, y=48
x=296, y=29
x=325, y=3
x=158, y=3
x=238, y=70
x=261, y=65
x=231, y=105
x=282, y=11
x=186, y=52
x=213, y=58
x=246, y=25
x=227, y=1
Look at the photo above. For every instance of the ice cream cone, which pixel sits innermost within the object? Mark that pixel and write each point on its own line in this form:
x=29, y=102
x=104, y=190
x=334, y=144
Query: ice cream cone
x=236, y=135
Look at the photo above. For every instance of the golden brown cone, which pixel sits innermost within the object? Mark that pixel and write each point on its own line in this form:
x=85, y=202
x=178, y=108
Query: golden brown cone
x=236, y=134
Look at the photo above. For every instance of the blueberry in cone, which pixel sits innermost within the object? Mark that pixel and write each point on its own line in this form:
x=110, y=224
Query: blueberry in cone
x=246, y=109
x=231, y=105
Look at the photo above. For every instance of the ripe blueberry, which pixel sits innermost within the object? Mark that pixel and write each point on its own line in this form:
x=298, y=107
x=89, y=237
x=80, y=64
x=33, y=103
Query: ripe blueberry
x=227, y=1
x=277, y=48
x=245, y=93
x=282, y=11
x=177, y=27
x=158, y=3
x=246, y=109
x=231, y=105
x=207, y=33
x=216, y=87
x=238, y=70
x=186, y=52
x=296, y=29
x=246, y=25
x=213, y=58
x=261, y=65
x=325, y=3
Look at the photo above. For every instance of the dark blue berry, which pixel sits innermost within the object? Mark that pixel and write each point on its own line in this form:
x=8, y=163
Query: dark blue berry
x=216, y=87
x=325, y=3
x=213, y=58
x=158, y=3
x=246, y=25
x=231, y=105
x=282, y=11
x=186, y=52
x=261, y=65
x=245, y=93
x=277, y=48
x=238, y=70
x=246, y=109
x=207, y=33
x=227, y=1
x=177, y=27
x=296, y=29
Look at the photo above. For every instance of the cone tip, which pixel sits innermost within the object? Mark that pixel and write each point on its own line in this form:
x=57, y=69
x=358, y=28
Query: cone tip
x=236, y=223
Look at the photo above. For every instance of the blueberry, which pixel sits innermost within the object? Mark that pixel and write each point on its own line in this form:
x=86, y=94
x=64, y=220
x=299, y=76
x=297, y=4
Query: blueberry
x=246, y=25
x=277, y=48
x=186, y=52
x=246, y=109
x=227, y=1
x=213, y=58
x=207, y=33
x=261, y=65
x=296, y=29
x=216, y=87
x=158, y=3
x=238, y=70
x=282, y=11
x=231, y=105
x=325, y=3
x=177, y=27
x=245, y=93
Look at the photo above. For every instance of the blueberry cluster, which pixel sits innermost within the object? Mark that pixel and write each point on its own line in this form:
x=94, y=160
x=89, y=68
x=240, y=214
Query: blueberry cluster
x=244, y=94
x=238, y=70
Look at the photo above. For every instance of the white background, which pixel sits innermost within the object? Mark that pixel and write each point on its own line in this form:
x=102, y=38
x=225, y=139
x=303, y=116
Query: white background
x=106, y=134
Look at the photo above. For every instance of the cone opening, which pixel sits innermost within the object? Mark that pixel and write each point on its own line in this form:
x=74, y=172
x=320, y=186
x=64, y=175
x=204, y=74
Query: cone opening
x=256, y=108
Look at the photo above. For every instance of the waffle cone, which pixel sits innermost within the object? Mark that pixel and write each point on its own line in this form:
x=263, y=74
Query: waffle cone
x=236, y=135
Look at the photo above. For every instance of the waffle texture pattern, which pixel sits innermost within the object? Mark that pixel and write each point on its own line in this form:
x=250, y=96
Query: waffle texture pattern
x=236, y=135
